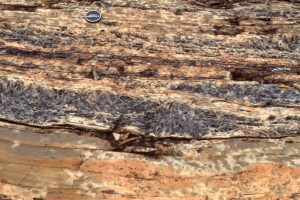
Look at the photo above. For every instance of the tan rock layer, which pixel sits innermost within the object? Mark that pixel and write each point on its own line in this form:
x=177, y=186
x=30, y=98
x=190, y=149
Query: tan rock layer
x=235, y=168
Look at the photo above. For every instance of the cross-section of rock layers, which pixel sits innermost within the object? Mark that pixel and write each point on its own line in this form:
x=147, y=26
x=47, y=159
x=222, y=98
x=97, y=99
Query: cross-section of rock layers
x=173, y=99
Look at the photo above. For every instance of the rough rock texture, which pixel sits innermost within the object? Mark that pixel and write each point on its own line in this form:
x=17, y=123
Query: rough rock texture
x=172, y=99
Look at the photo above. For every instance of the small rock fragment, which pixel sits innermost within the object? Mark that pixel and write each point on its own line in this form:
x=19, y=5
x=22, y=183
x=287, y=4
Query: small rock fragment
x=117, y=136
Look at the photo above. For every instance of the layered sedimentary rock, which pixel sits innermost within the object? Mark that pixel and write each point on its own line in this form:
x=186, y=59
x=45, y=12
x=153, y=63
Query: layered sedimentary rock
x=165, y=99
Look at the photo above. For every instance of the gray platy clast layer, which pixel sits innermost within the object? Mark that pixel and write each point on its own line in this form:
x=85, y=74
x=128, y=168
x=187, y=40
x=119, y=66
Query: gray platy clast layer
x=38, y=105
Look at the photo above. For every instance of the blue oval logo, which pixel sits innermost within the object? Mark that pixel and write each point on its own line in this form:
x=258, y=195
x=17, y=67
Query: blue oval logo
x=93, y=16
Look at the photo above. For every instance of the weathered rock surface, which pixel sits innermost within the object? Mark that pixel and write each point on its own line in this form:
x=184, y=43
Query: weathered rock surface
x=173, y=99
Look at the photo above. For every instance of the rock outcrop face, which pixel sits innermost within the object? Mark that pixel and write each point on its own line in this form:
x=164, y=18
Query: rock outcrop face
x=173, y=99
